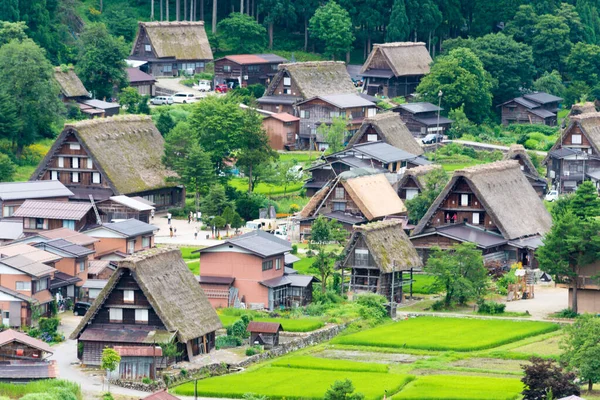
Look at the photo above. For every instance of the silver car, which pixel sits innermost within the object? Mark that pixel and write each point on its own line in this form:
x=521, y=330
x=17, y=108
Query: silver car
x=160, y=100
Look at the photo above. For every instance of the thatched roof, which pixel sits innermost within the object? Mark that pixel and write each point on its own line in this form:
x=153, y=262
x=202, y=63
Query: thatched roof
x=183, y=40
x=518, y=152
x=419, y=174
x=589, y=123
x=128, y=149
x=389, y=246
x=403, y=58
x=392, y=131
x=312, y=205
x=315, y=78
x=582, y=108
x=171, y=289
x=374, y=195
x=69, y=83
x=507, y=196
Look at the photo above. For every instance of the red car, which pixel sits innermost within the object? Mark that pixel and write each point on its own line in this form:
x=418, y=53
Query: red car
x=222, y=88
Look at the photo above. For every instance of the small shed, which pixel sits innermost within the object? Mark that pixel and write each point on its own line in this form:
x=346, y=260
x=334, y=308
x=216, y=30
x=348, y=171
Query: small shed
x=137, y=362
x=265, y=333
x=161, y=395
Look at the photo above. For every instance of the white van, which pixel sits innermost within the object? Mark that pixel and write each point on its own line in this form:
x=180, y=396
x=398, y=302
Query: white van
x=203, y=86
x=184, y=98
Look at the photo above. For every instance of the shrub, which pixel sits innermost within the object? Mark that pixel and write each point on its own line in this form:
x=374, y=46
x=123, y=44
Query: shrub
x=49, y=325
x=294, y=249
x=531, y=144
x=373, y=306
x=250, y=351
x=183, y=372
x=545, y=376
x=438, y=305
x=146, y=380
x=223, y=342
x=107, y=396
x=566, y=313
x=491, y=307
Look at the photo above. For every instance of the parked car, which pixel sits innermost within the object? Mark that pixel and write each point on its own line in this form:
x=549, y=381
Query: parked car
x=551, y=195
x=222, y=88
x=203, y=86
x=433, y=138
x=184, y=98
x=81, y=307
x=160, y=100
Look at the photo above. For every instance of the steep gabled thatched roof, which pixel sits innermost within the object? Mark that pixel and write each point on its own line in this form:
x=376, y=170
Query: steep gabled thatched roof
x=171, y=289
x=127, y=149
x=403, y=58
x=392, y=131
x=419, y=174
x=582, y=108
x=315, y=78
x=374, y=195
x=389, y=246
x=309, y=209
x=590, y=125
x=507, y=196
x=182, y=40
x=69, y=83
x=518, y=152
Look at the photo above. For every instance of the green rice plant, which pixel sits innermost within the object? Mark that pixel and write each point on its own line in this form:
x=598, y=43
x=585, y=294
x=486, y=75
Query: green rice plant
x=307, y=362
x=194, y=266
x=51, y=386
x=454, y=387
x=289, y=325
x=186, y=253
x=458, y=334
x=423, y=284
x=293, y=383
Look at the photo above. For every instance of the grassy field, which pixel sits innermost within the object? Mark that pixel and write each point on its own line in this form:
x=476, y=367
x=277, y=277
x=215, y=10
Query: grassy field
x=433, y=333
x=306, y=362
x=186, y=253
x=435, y=387
x=454, y=166
x=303, y=266
x=194, y=266
x=23, y=173
x=422, y=284
x=241, y=184
x=290, y=325
x=51, y=388
x=293, y=383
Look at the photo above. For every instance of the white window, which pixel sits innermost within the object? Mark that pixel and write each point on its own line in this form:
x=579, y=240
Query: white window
x=411, y=193
x=90, y=164
x=361, y=257
x=41, y=285
x=115, y=314
x=371, y=112
x=334, y=114
x=287, y=81
x=24, y=286
x=75, y=177
x=576, y=139
x=81, y=265
x=475, y=218
x=148, y=47
x=141, y=316
x=226, y=68
x=74, y=146
x=130, y=246
x=145, y=242
x=95, y=177
x=339, y=193
x=128, y=296
x=167, y=68
x=464, y=199
x=54, y=175
x=61, y=162
x=8, y=211
x=75, y=162
x=304, y=114
x=339, y=206
x=278, y=263
x=372, y=137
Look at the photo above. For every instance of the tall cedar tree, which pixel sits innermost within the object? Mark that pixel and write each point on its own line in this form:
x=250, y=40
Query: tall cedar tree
x=243, y=34
x=198, y=172
x=581, y=349
x=324, y=231
x=398, y=28
x=542, y=377
x=332, y=25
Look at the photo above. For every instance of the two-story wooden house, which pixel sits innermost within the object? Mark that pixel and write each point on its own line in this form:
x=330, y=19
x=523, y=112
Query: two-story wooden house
x=41, y=215
x=395, y=69
x=423, y=118
x=282, y=130
x=250, y=269
x=24, y=358
x=106, y=157
x=493, y=206
x=388, y=128
x=533, y=108
x=13, y=194
x=323, y=109
x=518, y=152
x=575, y=157
x=246, y=69
x=172, y=48
x=377, y=255
x=414, y=181
x=118, y=239
x=304, y=80
x=152, y=298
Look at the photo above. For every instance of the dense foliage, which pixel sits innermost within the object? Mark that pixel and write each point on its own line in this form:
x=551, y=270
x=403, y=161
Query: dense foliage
x=544, y=377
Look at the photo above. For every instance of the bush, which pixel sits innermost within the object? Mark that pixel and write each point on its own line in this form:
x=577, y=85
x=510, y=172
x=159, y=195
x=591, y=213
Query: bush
x=566, y=313
x=373, y=306
x=107, y=396
x=223, y=342
x=438, y=305
x=294, y=249
x=49, y=325
x=491, y=307
x=146, y=380
x=250, y=351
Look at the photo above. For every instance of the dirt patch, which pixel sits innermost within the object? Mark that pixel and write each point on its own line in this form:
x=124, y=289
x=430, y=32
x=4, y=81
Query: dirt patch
x=490, y=364
x=366, y=356
x=423, y=372
x=547, y=347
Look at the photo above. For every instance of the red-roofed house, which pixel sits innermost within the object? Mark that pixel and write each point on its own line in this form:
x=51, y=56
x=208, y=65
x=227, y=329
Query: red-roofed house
x=162, y=395
x=137, y=362
x=246, y=69
x=23, y=358
x=282, y=129
x=143, y=82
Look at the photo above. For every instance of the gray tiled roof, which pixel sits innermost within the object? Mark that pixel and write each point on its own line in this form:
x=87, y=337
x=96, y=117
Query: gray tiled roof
x=344, y=100
x=28, y=266
x=262, y=243
x=383, y=151
x=472, y=234
x=11, y=230
x=131, y=227
x=421, y=107
x=542, y=98
x=33, y=190
x=65, y=246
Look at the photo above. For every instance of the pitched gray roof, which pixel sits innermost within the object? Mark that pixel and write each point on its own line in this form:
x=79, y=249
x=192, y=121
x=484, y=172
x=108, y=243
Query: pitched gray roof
x=416, y=108
x=131, y=227
x=542, y=98
x=258, y=242
x=53, y=210
x=383, y=151
x=28, y=266
x=33, y=190
x=11, y=230
x=467, y=233
x=65, y=246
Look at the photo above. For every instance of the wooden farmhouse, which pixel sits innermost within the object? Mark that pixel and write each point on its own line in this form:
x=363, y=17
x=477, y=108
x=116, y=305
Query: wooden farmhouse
x=141, y=81
x=354, y=197
x=282, y=130
x=41, y=215
x=533, y=108
x=323, y=109
x=518, y=152
x=388, y=128
x=171, y=48
x=14, y=194
x=124, y=207
x=24, y=358
x=423, y=118
x=380, y=156
x=71, y=87
x=246, y=69
x=493, y=206
x=588, y=288
x=114, y=156
x=395, y=69
x=301, y=81
x=151, y=298
x=379, y=258
x=264, y=333
x=414, y=181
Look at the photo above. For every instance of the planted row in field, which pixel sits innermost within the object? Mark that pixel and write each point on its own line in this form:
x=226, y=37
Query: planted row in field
x=306, y=362
x=454, y=387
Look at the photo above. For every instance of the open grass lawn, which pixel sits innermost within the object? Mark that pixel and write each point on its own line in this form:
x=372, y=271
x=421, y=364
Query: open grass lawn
x=293, y=383
x=422, y=284
x=303, y=266
x=23, y=172
x=290, y=325
x=194, y=266
x=302, y=157
x=186, y=253
x=306, y=362
x=241, y=184
x=461, y=388
x=454, y=166
x=435, y=333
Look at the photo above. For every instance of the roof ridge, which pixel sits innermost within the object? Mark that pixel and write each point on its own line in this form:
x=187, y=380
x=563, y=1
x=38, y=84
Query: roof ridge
x=109, y=120
x=482, y=168
x=399, y=44
x=171, y=23
x=378, y=225
x=584, y=116
x=311, y=64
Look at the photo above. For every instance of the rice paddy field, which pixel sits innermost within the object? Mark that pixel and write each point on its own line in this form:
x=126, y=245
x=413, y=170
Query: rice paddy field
x=289, y=325
x=419, y=358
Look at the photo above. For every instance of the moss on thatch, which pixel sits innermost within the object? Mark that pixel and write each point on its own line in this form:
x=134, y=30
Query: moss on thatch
x=182, y=40
x=69, y=83
x=392, y=131
x=403, y=58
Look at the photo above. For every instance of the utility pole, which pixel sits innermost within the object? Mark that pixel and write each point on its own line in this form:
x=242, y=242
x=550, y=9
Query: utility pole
x=392, y=291
x=437, y=129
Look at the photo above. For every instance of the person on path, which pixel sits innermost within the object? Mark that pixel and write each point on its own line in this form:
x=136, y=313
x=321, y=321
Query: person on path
x=171, y=231
x=169, y=218
x=175, y=231
x=190, y=218
x=152, y=214
x=196, y=233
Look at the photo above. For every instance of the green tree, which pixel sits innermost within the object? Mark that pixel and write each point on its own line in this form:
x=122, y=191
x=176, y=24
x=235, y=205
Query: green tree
x=590, y=19
x=522, y=26
x=121, y=22
x=342, y=390
x=7, y=168
x=459, y=272
x=461, y=125
x=322, y=232
x=571, y=17
x=228, y=215
x=12, y=31
x=219, y=223
x=550, y=82
x=215, y=202
x=435, y=181
x=398, y=29
x=9, y=122
x=551, y=44
x=276, y=11
x=242, y=33
x=332, y=24
x=197, y=173
x=27, y=76
x=583, y=63
x=178, y=143
x=9, y=10
x=164, y=122
x=334, y=133
x=110, y=361
x=424, y=17
x=576, y=92
x=585, y=204
x=101, y=64
x=237, y=222
x=461, y=78
x=129, y=98
x=581, y=349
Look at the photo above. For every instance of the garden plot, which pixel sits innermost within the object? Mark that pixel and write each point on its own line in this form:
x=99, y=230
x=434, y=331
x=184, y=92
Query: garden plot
x=367, y=356
x=544, y=348
x=455, y=387
x=439, y=334
x=491, y=364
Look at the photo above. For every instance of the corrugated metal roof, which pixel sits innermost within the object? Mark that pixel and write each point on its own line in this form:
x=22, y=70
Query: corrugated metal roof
x=278, y=99
x=543, y=98
x=9, y=336
x=31, y=370
x=344, y=100
x=378, y=73
x=104, y=105
x=301, y=280
x=132, y=203
x=97, y=266
x=421, y=107
x=264, y=327
x=95, y=284
x=53, y=210
x=33, y=190
x=282, y=280
x=262, y=243
x=272, y=58
x=383, y=151
x=70, y=235
x=472, y=234
x=28, y=266
x=131, y=227
x=284, y=117
x=290, y=258
x=138, y=351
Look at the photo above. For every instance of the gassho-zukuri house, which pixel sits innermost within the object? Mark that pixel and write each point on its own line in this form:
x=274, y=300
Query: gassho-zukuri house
x=114, y=156
x=493, y=206
x=151, y=298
